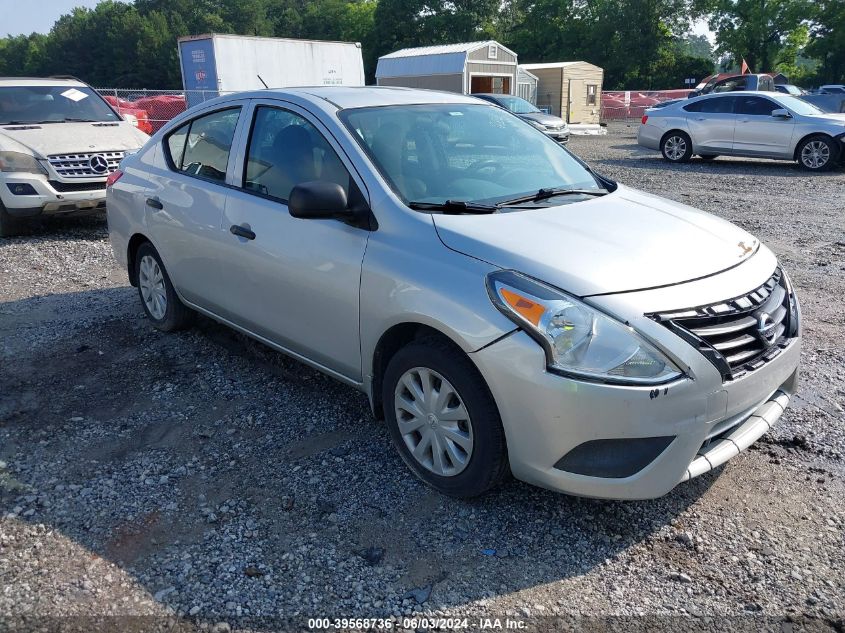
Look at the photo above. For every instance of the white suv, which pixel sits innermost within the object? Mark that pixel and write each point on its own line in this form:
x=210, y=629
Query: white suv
x=59, y=141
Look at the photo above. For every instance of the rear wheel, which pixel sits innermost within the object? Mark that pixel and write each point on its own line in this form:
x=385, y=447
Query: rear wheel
x=11, y=226
x=676, y=147
x=443, y=419
x=818, y=153
x=159, y=298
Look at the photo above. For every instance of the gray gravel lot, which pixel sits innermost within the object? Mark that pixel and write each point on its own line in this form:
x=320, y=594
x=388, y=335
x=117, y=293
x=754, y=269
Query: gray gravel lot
x=204, y=479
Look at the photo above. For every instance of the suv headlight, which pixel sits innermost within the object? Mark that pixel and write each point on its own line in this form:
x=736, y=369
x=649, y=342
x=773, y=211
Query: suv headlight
x=579, y=340
x=18, y=162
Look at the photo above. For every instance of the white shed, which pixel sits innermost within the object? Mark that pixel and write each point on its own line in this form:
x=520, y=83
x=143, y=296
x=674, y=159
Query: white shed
x=526, y=85
x=469, y=67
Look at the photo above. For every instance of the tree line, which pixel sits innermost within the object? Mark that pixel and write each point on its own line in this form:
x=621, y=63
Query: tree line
x=641, y=44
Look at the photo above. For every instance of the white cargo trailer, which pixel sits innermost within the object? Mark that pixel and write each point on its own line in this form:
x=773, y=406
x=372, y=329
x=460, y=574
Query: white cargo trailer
x=213, y=64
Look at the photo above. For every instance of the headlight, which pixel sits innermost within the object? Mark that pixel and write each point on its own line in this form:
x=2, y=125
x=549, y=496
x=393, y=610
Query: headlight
x=18, y=162
x=579, y=340
x=537, y=125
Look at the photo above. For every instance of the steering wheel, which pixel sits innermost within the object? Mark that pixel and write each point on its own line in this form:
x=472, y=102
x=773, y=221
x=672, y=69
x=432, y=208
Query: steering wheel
x=480, y=165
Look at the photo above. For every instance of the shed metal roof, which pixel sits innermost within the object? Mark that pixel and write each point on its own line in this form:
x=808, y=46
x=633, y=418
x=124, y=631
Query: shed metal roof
x=556, y=65
x=444, y=59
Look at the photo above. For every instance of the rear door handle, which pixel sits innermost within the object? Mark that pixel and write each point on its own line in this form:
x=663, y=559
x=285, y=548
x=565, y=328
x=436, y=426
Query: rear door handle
x=155, y=203
x=241, y=231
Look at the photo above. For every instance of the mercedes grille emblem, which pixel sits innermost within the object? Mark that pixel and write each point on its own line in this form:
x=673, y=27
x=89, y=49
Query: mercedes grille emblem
x=98, y=164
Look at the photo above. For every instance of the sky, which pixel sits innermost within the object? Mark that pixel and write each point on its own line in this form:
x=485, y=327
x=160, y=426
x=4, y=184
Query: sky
x=25, y=16
x=39, y=16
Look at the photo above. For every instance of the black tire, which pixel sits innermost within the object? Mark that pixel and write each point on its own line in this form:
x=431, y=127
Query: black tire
x=709, y=156
x=11, y=226
x=487, y=465
x=811, y=160
x=676, y=139
x=176, y=315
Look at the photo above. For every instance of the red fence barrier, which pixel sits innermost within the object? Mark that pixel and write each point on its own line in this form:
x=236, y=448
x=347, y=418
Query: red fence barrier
x=630, y=104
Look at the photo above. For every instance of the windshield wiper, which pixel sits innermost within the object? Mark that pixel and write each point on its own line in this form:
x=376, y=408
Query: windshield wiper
x=545, y=194
x=454, y=206
x=70, y=120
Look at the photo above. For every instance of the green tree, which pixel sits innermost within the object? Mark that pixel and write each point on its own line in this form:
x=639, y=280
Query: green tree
x=827, y=41
x=633, y=40
x=755, y=30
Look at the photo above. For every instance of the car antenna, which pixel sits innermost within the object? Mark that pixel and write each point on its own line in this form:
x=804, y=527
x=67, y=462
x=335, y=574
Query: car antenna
x=262, y=81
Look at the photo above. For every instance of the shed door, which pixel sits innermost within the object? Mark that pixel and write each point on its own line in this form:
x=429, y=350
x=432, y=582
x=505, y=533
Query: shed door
x=577, y=101
x=496, y=85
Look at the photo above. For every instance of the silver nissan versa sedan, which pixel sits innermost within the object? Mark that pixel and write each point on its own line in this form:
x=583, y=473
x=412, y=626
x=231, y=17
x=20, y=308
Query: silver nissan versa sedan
x=505, y=308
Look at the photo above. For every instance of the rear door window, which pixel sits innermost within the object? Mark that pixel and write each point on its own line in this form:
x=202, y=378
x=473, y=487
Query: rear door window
x=201, y=148
x=716, y=105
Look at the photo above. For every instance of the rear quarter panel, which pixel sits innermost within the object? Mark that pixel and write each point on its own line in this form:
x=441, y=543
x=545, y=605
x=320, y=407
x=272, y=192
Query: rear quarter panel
x=125, y=203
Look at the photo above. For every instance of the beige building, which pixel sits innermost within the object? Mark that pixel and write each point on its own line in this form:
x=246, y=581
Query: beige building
x=465, y=68
x=570, y=90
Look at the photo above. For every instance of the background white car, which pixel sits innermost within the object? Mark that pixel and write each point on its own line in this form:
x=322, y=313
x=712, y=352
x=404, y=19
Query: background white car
x=59, y=141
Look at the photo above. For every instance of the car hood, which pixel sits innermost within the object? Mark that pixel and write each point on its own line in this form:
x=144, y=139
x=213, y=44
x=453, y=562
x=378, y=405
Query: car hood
x=545, y=119
x=626, y=240
x=71, y=138
x=829, y=117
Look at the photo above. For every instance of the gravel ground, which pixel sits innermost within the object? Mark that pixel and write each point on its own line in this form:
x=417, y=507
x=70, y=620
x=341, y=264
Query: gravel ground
x=207, y=482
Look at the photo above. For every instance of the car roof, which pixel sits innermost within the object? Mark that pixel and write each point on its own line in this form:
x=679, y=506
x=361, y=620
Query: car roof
x=358, y=96
x=40, y=81
x=738, y=93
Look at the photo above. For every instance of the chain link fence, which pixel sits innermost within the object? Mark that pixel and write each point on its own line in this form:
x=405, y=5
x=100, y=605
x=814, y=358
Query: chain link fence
x=149, y=110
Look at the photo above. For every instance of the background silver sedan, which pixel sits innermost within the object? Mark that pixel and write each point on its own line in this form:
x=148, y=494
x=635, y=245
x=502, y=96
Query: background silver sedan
x=754, y=124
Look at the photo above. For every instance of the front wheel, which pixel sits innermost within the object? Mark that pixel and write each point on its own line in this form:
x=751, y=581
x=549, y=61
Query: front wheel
x=676, y=147
x=161, y=303
x=817, y=153
x=443, y=419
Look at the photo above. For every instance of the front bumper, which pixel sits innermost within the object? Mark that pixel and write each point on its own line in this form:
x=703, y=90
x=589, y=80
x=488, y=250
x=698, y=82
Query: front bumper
x=546, y=416
x=76, y=197
x=561, y=135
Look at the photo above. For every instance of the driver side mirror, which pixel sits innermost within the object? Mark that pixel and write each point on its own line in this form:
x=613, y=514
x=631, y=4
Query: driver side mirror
x=318, y=199
x=781, y=113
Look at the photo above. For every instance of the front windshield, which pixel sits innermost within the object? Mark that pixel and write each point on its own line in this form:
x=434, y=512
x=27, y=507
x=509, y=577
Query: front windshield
x=52, y=104
x=517, y=105
x=799, y=106
x=459, y=152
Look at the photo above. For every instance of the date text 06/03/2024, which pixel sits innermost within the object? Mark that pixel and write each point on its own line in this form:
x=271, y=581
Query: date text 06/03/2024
x=415, y=623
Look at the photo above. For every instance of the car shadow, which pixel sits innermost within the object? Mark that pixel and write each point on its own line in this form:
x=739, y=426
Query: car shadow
x=720, y=165
x=217, y=474
x=59, y=228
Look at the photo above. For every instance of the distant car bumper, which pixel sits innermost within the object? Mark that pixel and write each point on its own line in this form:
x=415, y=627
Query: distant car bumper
x=561, y=136
x=27, y=195
x=649, y=136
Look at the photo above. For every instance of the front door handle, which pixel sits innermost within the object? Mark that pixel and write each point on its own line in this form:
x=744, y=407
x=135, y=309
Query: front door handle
x=155, y=203
x=241, y=231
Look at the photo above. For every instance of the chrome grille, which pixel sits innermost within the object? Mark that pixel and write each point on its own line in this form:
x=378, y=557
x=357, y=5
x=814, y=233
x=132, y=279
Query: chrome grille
x=741, y=334
x=79, y=165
